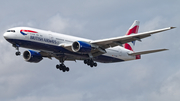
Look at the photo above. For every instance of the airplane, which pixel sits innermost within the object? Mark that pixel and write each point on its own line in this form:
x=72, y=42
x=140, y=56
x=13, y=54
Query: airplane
x=47, y=44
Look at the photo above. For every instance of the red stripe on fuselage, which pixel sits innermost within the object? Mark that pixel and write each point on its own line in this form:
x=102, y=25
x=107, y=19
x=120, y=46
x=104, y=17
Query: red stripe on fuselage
x=28, y=31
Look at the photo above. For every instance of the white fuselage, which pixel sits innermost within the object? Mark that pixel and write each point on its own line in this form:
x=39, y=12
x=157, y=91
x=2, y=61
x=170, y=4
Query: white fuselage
x=49, y=41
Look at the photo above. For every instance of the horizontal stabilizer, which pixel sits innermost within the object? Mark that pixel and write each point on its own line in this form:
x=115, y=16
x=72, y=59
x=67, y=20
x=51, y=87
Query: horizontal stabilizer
x=147, y=52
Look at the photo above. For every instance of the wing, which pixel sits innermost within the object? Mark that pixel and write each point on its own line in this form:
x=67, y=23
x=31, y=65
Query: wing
x=112, y=42
x=65, y=56
x=100, y=46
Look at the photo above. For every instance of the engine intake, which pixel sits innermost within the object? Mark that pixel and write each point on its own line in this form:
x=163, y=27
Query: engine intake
x=81, y=47
x=32, y=56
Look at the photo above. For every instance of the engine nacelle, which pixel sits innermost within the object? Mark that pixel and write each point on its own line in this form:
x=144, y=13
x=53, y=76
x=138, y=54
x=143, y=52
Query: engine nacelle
x=81, y=47
x=32, y=56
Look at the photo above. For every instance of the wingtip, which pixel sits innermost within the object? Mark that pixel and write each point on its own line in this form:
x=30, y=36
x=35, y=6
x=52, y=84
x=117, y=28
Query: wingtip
x=165, y=49
x=172, y=27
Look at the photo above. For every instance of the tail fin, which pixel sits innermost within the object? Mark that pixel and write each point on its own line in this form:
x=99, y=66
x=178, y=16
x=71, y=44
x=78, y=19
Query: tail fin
x=132, y=30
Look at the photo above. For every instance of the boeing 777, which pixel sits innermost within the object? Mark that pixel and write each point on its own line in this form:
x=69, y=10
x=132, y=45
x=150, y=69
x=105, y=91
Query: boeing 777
x=70, y=48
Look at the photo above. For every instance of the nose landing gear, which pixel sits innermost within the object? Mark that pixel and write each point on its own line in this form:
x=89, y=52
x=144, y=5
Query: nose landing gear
x=17, y=48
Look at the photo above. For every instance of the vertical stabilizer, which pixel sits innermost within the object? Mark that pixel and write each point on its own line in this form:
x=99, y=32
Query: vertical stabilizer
x=132, y=30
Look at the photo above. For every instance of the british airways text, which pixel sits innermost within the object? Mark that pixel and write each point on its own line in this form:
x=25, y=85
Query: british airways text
x=44, y=39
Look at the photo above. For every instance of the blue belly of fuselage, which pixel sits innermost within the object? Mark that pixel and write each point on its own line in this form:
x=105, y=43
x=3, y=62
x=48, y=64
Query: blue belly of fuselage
x=59, y=49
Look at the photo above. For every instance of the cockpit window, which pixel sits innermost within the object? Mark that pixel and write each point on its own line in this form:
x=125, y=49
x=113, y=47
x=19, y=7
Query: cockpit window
x=10, y=30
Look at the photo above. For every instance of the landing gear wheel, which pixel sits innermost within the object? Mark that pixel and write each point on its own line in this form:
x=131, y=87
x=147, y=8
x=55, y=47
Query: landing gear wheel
x=18, y=53
x=57, y=66
x=95, y=64
x=60, y=68
x=67, y=69
x=85, y=61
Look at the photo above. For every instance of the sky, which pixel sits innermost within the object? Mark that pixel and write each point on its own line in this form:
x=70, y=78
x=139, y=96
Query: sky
x=155, y=77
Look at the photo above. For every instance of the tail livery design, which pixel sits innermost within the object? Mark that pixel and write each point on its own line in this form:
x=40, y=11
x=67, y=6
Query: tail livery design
x=132, y=30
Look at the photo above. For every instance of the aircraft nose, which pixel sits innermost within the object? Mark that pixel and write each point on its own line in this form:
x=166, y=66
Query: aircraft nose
x=5, y=35
x=9, y=35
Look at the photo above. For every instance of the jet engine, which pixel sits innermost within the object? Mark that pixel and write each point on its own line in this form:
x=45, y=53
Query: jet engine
x=81, y=47
x=32, y=56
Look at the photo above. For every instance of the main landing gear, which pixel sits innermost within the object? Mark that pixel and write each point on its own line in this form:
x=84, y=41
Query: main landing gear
x=90, y=63
x=17, y=48
x=62, y=67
